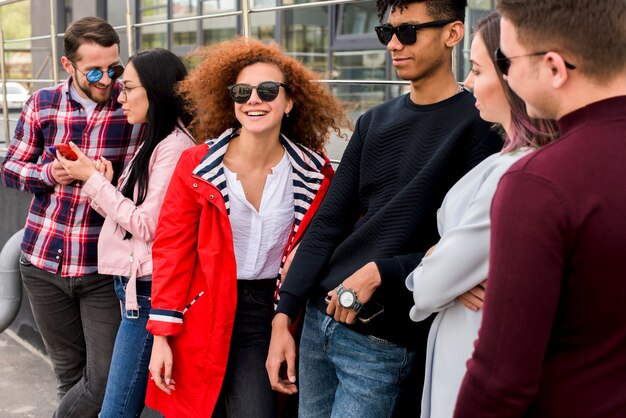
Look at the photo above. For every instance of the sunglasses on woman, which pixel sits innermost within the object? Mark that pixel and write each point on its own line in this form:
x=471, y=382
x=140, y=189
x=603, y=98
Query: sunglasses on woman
x=504, y=63
x=406, y=34
x=267, y=91
x=96, y=74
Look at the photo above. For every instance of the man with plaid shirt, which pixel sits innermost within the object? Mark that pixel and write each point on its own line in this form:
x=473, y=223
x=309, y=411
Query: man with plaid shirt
x=75, y=308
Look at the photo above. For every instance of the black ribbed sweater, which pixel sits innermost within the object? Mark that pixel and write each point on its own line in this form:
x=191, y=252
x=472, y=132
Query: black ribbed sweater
x=382, y=203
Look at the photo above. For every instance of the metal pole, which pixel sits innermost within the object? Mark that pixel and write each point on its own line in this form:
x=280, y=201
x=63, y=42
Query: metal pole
x=53, y=40
x=245, y=17
x=129, y=29
x=5, y=108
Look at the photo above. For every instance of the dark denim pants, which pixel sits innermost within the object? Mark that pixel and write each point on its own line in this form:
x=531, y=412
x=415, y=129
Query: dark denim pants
x=344, y=374
x=78, y=319
x=246, y=391
x=128, y=376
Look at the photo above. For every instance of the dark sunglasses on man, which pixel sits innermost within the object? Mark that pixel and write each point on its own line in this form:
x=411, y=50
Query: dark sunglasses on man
x=267, y=91
x=406, y=34
x=94, y=75
x=504, y=63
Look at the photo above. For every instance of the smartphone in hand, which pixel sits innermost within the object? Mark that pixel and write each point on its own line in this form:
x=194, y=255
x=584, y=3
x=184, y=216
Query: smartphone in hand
x=64, y=150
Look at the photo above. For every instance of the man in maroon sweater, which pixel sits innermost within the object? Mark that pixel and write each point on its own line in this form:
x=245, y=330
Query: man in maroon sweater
x=553, y=337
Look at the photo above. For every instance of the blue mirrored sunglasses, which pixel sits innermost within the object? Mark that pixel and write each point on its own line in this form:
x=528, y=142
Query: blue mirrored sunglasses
x=94, y=75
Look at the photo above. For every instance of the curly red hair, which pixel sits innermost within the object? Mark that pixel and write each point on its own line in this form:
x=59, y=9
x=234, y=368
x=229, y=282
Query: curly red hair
x=316, y=112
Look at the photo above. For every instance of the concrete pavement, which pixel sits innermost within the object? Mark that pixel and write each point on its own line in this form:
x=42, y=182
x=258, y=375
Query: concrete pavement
x=27, y=382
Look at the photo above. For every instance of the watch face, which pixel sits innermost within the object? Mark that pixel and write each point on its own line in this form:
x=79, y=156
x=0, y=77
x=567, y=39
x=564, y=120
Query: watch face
x=346, y=299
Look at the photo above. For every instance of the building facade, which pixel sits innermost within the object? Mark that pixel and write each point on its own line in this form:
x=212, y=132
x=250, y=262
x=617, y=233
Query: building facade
x=335, y=38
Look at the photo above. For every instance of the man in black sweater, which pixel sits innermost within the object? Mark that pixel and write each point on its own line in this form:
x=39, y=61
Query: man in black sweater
x=377, y=221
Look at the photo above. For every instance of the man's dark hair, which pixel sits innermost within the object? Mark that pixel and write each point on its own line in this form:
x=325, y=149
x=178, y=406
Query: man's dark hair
x=88, y=30
x=437, y=9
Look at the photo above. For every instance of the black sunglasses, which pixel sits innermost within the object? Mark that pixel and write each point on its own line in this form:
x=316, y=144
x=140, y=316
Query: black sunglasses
x=504, y=63
x=96, y=74
x=407, y=34
x=267, y=91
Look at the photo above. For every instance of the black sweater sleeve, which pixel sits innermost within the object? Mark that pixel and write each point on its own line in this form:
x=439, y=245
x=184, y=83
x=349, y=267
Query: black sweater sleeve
x=330, y=225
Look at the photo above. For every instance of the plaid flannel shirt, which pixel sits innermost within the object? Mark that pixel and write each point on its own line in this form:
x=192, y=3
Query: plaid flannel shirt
x=61, y=228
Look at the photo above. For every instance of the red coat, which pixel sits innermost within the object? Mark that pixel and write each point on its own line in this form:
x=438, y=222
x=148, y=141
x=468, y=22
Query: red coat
x=194, y=284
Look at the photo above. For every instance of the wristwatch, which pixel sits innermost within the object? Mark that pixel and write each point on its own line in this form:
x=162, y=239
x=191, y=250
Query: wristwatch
x=347, y=298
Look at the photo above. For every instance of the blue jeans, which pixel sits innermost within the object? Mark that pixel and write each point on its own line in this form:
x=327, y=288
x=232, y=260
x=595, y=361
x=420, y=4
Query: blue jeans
x=128, y=376
x=346, y=374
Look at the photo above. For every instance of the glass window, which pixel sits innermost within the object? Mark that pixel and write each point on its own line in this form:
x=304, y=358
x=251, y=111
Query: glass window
x=218, y=29
x=184, y=34
x=359, y=65
x=152, y=10
x=264, y=3
x=211, y=6
x=482, y=4
x=357, y=19
x=263, y=26
x=473, y=13
x=152, y=36
x=183, y=8
x=289, y=2
x=354, y=27
x=221, y=28
x=305, y=35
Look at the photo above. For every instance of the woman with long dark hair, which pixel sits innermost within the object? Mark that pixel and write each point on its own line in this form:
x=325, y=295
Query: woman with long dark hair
x=455, y=271
x=149, y=97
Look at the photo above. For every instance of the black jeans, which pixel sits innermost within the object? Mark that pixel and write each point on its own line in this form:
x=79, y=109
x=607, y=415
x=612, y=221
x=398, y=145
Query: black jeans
x=78, y=319
x=246, y=391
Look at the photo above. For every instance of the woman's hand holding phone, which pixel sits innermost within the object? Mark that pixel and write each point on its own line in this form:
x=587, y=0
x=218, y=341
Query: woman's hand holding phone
x=64, y=150
x=78, y=165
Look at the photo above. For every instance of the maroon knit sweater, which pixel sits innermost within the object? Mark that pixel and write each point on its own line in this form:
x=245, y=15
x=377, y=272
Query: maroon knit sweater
x=553, y=337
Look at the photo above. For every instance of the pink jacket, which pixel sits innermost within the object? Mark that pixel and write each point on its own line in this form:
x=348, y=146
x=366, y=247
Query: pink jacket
x=133, y=257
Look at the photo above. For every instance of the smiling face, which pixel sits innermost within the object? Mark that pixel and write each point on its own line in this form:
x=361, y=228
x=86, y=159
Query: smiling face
x=133, y=97
x=483, y=80
x=93, y=56
x=255, y=115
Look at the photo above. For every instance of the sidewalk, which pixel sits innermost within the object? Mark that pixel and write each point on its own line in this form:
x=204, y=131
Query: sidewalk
x=27, y=382
x=27, y=385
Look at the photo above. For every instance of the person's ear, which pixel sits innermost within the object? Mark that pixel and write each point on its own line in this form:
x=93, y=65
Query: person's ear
x=67, y=65
x=558, y=71
x=454, y=33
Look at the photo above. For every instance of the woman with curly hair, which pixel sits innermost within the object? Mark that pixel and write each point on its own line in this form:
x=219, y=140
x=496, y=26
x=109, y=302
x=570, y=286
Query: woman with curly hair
x=236, y=207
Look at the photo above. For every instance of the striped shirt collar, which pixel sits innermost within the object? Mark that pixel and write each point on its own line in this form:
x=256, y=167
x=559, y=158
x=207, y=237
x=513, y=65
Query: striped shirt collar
x=307, y=165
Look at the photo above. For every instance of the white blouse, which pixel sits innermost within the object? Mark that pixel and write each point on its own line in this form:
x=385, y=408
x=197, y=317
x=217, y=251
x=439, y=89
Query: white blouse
x=260, y=237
